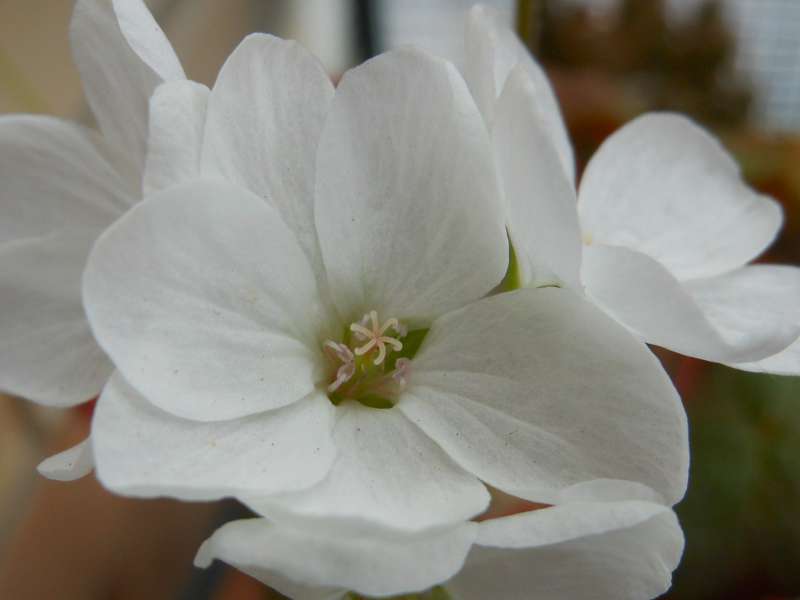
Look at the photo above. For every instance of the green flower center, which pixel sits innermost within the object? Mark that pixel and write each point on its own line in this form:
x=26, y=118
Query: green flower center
x=372, y=361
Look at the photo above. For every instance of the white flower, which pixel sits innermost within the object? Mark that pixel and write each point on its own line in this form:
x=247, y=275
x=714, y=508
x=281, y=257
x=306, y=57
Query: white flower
x=65, y=184
x=584, y=549
x=256, y=334
x=664, y=224
x=62, y=185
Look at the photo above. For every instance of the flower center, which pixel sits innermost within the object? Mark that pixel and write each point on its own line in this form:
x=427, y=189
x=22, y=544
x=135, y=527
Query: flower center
x=369, y=367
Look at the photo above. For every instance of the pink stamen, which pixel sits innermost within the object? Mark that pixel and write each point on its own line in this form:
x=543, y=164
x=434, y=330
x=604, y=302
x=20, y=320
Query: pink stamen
x=347, y=369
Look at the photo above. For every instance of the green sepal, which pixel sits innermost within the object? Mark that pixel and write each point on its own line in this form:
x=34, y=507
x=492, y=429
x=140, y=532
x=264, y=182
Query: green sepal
x=513, y=278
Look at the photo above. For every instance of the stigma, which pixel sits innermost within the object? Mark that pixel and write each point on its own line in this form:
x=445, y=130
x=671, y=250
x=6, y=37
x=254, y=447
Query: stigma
x=375, y=336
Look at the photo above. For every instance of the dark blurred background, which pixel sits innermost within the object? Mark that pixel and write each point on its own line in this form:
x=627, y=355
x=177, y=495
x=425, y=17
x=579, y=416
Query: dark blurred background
x=733, y=65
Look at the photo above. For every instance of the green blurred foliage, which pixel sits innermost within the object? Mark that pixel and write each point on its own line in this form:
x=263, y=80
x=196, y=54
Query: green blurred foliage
x=740, y=515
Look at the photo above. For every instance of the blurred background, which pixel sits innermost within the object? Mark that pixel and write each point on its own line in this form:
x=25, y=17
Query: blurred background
x=733, y=65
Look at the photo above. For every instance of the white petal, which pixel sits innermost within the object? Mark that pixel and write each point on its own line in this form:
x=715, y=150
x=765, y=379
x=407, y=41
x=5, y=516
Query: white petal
x=492, y=51
x=265, y=116
x=642, y=294
x=664, y=187
x=786, y=362
x=757, y=299
x=177, y=122
x=55, y=178
x=206, y=303
x=106, y=36
x=388, y=472
x=47, y=352
x=537, y=390
x=143, y=451
x=542, y=205
x=625, y=551
x=609, y=490
x=69, y=465
x=407, y=205
x=146, y=39
x=374, y=562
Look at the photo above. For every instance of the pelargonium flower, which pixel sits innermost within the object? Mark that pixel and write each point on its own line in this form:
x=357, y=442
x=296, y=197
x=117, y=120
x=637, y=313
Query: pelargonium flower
x=62, y=185
x=350, y=365
x=66, y=184
x=661, y=230
x=580, y=550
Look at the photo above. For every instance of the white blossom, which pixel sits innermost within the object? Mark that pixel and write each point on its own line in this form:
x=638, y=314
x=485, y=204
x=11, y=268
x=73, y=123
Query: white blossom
x=63, y=184
x=300, y=317
x=660, y=231
x=262, y=314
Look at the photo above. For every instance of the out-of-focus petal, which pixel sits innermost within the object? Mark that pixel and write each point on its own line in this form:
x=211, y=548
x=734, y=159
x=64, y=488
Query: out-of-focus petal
x=69, y=465
x=541, y=201
x=664, y=187
x=56, y=178
x=122, y=56
x=642, y=294
x=177, y=123
x=751, y=301
x=47, y=351
x=492, y=51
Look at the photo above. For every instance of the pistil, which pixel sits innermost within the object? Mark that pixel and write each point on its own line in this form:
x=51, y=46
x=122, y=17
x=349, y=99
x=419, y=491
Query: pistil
x=375, y=337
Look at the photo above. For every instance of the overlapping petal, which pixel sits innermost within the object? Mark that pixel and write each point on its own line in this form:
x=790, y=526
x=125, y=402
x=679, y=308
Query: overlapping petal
x=492, y=51
x=265, y=116
x=664, y=187
x=407, y=206
x=142, y=451
x=376, y=562
x=785, y=362
x=387, y=472
x=576, y=551
x=206, y=303
x=47, y=352
x=537, y=390
x=174, y=143
x=541, y=200
x=625, y=551
x=756, y=298
x=122, y=56
x=697, y=318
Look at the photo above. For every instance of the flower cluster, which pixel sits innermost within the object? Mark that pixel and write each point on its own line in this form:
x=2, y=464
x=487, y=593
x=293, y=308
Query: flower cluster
x=361, y=310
